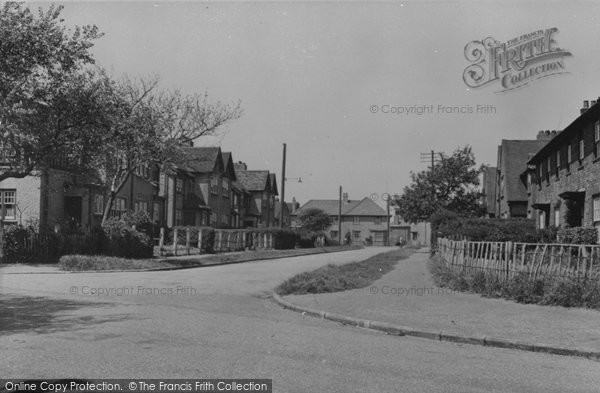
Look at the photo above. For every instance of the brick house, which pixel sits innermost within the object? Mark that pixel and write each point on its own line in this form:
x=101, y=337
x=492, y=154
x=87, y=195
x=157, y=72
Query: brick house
x=362, y=219
x=58, y=196
x=511, y=193
x=563, y=178
x=261, y=185
x=199, y=192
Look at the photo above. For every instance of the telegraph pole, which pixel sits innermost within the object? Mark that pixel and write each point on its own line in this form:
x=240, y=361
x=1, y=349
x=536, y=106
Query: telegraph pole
x=340, y=218
x=282, y=187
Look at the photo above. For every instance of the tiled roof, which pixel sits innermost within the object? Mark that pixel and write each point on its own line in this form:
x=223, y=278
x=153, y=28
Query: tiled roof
x=364, y=207
x=568, y=133
x=514, y=155
x=200, y=159
x=253, y=180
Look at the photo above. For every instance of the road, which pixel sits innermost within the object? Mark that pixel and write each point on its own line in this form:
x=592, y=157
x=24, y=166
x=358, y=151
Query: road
x=218, y=322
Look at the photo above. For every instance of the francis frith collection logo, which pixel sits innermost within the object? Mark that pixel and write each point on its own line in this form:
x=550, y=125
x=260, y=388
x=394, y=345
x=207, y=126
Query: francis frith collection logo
x=514, y=63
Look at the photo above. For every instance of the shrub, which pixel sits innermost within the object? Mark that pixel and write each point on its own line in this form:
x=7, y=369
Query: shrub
x=561, y=291
x=578, y=235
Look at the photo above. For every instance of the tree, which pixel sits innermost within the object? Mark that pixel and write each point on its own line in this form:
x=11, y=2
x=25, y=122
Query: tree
x=47, y=91
x=451, y=185
x=148, y=126
x=314, y=220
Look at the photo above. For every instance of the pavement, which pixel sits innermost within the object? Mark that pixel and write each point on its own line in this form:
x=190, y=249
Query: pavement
x=407, y=302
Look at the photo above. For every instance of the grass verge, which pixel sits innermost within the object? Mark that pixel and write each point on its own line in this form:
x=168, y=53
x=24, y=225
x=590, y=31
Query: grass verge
x=98, y=263
x=337, y=278
x=556, y=291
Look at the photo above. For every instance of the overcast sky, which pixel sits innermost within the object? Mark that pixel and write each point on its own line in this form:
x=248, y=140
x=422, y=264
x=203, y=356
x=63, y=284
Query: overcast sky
x=308, y=74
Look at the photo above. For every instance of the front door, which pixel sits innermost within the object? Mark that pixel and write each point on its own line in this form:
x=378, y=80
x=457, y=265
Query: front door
x=73, y=211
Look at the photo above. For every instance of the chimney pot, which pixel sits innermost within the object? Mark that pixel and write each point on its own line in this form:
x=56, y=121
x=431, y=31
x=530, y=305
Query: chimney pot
x=586, y=104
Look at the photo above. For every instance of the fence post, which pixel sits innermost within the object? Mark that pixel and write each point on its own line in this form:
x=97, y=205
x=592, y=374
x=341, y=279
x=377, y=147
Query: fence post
x=1, y=240
x=161, y=241
x=175, y=234
x=200, y=241
x=187, y=240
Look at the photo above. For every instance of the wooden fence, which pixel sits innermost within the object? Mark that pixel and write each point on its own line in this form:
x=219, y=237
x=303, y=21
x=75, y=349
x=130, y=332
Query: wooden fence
x=506, y=259
x=224, y=241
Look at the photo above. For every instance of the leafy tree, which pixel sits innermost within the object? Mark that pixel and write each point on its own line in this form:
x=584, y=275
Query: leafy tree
x=451, y=185
x=314, y=219
x=146, y=126
x=47, y=89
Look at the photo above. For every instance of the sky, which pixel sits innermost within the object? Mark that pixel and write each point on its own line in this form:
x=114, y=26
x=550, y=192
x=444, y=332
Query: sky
x=323, y=77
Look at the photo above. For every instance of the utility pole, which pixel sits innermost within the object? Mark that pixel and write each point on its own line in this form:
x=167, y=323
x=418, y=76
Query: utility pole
x=282, y=187
x=425, y=158
x=340, y=218
x=388, y=220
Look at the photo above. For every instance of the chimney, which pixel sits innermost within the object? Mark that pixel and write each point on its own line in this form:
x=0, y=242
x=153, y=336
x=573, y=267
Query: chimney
x=543, y=135
x=241, y=166
x=586, y=105
x=592, y=103
x=294, y=204
x=345, y=197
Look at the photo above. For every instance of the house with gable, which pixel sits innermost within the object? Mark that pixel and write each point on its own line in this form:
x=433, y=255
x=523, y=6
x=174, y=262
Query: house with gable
x=511, y=193
x=364, y=220
x=261, y=185
x=199, y=190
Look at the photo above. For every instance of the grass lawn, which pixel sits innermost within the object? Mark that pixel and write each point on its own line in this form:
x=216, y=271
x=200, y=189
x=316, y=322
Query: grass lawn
x=97, y=263
x=337, y=278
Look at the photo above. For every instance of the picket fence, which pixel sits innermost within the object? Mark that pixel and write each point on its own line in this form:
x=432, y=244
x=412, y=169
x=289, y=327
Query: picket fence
x=225, y=240
x=506, y=259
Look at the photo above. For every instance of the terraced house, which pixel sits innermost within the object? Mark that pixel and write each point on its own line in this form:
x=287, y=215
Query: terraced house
x=563, y=178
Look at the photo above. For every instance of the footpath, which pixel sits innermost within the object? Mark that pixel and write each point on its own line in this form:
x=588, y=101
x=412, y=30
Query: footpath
x=406, y=301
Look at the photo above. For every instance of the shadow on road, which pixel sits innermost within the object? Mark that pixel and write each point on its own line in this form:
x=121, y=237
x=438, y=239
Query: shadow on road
x=44, y=315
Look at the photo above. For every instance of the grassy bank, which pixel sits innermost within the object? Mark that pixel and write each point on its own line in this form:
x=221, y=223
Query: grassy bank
x=334, y=278
x=557, y=291
x=99, y=263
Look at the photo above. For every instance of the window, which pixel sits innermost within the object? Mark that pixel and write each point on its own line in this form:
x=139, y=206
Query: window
x=156, y=212
x=214, y=185
x=356, y=235
x=548, y=170
x=596, y=208
x=8, y=200
x=568, y=156
x=179, y=186
x=528, y=180
x=333, y=234
x=141, y=206
x=581, y=151
x=118, y=207
x=377, y=220
x=225, y=185
x=98, y=204
x=542, y=219
x=557, y=167
x=213, y=218
x=597, y=139
x=178, y=217
x=356, y=219
x=557, y=217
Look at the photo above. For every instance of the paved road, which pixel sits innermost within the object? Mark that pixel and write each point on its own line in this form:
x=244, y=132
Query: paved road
x=220, y=325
